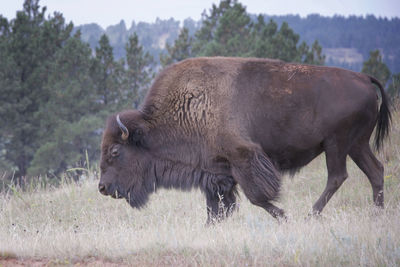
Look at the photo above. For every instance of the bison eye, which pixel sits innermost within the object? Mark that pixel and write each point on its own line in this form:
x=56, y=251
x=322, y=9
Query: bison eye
x=114, y=152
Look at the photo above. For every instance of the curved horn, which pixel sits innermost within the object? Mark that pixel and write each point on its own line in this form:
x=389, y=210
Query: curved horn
x=125, y=132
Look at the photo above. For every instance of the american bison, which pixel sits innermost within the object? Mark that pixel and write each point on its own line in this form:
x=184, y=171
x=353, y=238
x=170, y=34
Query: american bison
x=213, y=123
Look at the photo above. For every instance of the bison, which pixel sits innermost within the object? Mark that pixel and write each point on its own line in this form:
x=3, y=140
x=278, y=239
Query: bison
x=215, y=123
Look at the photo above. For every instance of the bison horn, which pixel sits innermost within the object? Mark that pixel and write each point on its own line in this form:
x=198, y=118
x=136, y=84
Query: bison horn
x=125, y=132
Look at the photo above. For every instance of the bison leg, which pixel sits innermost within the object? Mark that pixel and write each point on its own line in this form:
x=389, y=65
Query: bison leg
x=258, y=178
x=373, y=169
x=337, y=174
x=221, y=198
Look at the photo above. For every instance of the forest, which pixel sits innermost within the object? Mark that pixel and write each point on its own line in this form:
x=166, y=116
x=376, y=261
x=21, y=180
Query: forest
x=58, y=82
x=346, y=41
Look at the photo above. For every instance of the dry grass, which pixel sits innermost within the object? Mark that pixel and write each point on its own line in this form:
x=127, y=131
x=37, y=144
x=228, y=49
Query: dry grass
x=74, y=223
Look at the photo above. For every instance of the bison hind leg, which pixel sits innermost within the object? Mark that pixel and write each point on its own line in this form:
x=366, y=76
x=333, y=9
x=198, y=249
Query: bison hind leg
x=370, y=165
x=221, y=194
x=336, y=154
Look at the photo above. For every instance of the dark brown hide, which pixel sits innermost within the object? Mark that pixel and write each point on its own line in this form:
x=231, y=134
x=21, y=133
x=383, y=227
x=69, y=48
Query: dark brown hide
x=213, y=123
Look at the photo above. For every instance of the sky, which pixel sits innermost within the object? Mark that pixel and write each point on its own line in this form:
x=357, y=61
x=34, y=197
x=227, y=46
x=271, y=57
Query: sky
x=106, y=12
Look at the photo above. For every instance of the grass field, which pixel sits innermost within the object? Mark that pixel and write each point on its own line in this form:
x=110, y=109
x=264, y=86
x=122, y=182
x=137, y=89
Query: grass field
x=74, y=224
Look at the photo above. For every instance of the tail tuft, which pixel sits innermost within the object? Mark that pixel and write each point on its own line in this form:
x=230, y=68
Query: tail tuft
x=384, y=116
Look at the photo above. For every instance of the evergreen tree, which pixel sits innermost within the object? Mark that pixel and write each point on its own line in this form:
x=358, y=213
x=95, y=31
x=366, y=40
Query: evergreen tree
x=374, y=66
x=284, y=44
x=313, y=56
x=28, y=43
x=269, y=42
x=394, y=86
x=69, y=129
x=6, y=80
x=225, y=32
x=181, y=49
x=206, y=33
x=229, y=31
x=139, y=72
x=262, y=34
x=107, y=75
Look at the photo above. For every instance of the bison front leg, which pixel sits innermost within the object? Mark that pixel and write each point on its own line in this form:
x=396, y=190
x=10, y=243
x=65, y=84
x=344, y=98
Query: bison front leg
x=258, y=178
x=221, y=198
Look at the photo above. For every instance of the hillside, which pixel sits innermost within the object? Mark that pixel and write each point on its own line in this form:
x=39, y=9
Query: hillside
x=153, y=36
x=346, y=41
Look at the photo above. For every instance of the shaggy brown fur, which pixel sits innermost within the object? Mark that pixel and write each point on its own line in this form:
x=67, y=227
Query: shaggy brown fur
x=214, y=123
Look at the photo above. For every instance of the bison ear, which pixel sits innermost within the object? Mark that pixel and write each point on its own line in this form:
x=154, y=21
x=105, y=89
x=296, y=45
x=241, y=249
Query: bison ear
x=137, y=135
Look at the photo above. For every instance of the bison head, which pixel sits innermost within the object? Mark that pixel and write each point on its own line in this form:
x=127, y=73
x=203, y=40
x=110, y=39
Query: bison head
x=125, y=161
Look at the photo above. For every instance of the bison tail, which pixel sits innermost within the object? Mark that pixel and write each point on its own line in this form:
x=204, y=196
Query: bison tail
x=384, y=116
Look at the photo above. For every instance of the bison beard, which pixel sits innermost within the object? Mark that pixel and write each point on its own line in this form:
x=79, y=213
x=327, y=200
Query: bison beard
x=220, y=190
x=215, y=123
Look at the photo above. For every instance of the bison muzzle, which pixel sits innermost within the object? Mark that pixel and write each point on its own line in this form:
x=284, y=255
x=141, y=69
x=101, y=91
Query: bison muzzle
x=215, y=123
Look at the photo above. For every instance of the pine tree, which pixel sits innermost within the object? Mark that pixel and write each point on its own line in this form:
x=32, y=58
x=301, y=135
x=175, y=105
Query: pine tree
x=269, y=42
x=229, y=31
x=107, y=75
x=139, y=72
x=284, y=44
x=394, y=86
x=313, y=56
x=225, y=32
x=262, y=35
x=69, y=129
x=31, y=40
x=374, y=66
x=6, y=80
x=181, y=49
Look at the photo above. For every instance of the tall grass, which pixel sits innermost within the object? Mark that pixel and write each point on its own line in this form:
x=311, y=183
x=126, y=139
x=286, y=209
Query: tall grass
x=73, y=221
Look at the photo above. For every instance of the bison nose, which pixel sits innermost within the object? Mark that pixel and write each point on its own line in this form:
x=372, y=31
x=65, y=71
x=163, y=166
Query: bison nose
x=103, y=189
